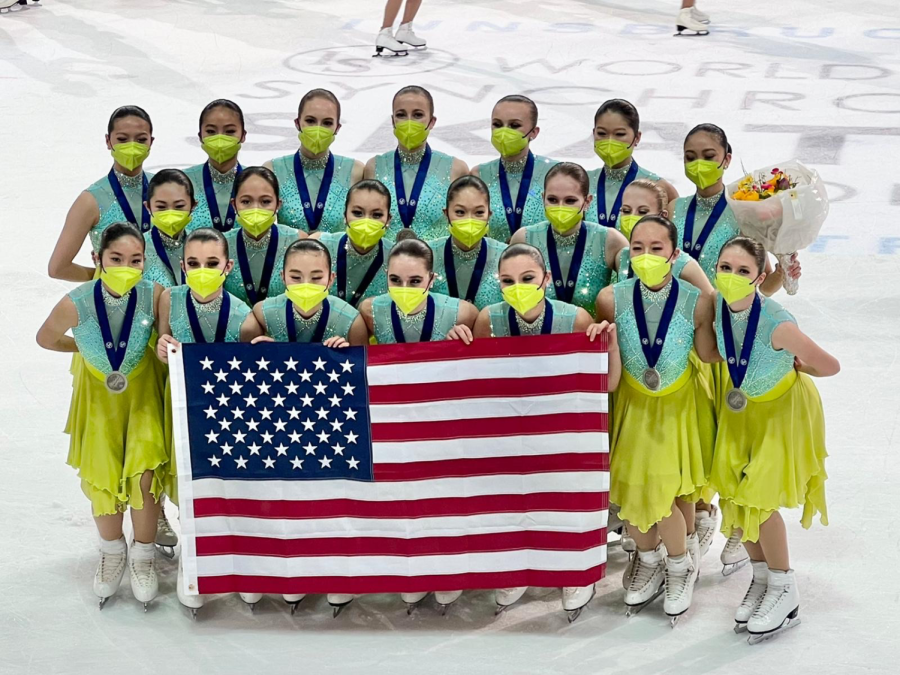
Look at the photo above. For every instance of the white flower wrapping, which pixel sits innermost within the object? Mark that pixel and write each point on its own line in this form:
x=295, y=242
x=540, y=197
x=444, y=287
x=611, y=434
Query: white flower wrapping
x=788, y=221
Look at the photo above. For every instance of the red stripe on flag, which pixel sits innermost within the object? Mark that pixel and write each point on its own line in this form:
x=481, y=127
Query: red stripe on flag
x=393, y=584
x=506, y=387
x=493, y=466
x=559, y=423
x=395, y=546
x=454, y=350
x=419, y=508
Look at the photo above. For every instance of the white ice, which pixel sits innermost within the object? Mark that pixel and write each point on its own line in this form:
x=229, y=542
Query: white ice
x=814, y=79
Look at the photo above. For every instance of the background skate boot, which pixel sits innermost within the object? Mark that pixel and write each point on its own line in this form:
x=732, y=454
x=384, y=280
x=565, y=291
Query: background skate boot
x=142, y=565
x=779, y=609
x=386, y=41
x=706, y=523
x=506, y=597
x=753, y=597
x=338, y=601
x=575, y=599
x=734, y=555
x=688, y=25
x=294, y=600
x=697, y=15
x=647, y=580
x=113, y=559
x=412, y=600
x=446, y=598
x=693, y=547
x=251, y=599
x=406, y=35
x=166, y=539
x=192, y=602
x=680, y=577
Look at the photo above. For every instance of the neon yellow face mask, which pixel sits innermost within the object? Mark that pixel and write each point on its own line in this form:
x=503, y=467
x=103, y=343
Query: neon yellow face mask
x=650, y=269
x=365, y=232
x=627, y=221
x=703, y=172
x=170, y=222
x=523, y=297
x=563, y=218
x=130, y=155
x=256, y=221
x=306, y=296
x=204, y=281
x=120, y=280
x=407, y=298
x=411, y=133
x=221, y=147
x=612, y=151
x=508, y=142
x=468, y=231
x=733, y=287
x=316, y=139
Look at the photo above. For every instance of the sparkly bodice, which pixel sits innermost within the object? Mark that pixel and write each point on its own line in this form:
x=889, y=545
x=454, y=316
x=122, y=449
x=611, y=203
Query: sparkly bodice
x=563, y=319
x=207, y=314
x=464, y=264
x=533, y=211
x=446, y=312
x=110, y=211
x=614, y=180
x=767, y=365
x=357, y=265
x=679, y=340
x=726, y=228
x=256, y=256
x=625, y=259
x=154, y=267
x=593, y=276
x=340, y=317
x=222, y=186
x=292, y=214
x=87, y=333
x=429, y=222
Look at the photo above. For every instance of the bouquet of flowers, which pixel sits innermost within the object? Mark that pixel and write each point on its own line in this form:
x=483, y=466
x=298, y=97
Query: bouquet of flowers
x=783, y=206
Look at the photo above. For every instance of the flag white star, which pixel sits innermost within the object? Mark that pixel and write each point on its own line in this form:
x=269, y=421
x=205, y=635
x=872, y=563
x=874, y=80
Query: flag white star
x=277, y=375
x=214, y=460
x=221, y=376
x=208, y=388
x=223, y=400
x=305, y=376
x=348, y=389
x=206, y=363
x=239, y=437
x=267, y=437
x=353, y=463
x=347, y=366
x=280, y=425
x=234, y=363
x=264, y=387
x=335, y=401
x=292, y=388
x=210, y=412
x=333, y=376
x=322, y=413
x=262, y=364
x=308, y=425
x=297, y=463
x=254, y=449
x=226, y=449
x=351, y=437
x=310, y=449
x=319, y=364
x=269, y=462
x=212, y=436
x=235, y=387
x=250, y=400
x=238, y=414
x=281, y=449
x=337, y=425
x=325, y=462
x=291, y=364
x=295, y=437
x=338, y=449
x=252, y=425
x=320, y=388
x=350, y=414
x=323, y=436
x=241, y=463
x=266, y=413
x=249, y=375
x=278, y=400
x=294, y=413
x=306, y=400
x=225, y=425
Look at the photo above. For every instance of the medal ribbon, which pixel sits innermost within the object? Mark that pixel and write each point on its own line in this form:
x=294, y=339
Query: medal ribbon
x=144, y=225
x=565, y=289
x=652, y=351
x=313, y=212
x=221, y=324
x=738, y=369
x=477, y=272
x=602, y=218
x=213, y=204
x=407, y=208
x=115, y=352
x=697, y=248
x=163, y=254
x=427, y=325
x=321, y=324
x=514, y=216
x=546, y=327
x=367, y=277
x=254, y=294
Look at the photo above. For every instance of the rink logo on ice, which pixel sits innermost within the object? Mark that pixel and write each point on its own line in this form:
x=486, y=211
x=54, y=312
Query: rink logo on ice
x=356, y=61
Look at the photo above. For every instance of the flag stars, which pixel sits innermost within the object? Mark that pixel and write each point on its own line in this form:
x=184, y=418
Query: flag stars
x=308, y=425
x=241, y=462
x=278, y=400
x=210, y=412
x=322, y=413
x=223, y=400
x=320, y=388
x=294, y=413
x=325, y=463
x=238, y=414
x=262, y=364
x=280, y=425
x=292, y=388
x=337, y=425
x=249, y=375
x=306, y=400
x=215, y=461
x=310, y=449
x=277, y=375
x=297, y=463
x=266, y=413
x=306, y=376
x=263, y=387
x=226, y=449
x=208, y=388
x=333, y=376
x=250, y=400
x=212, y=437
x=206, y=363
x=236, y=388
x=239, y=437
x=335, y=401
x=254, y=449
x=322, y=436
x=351, y=437
x=338, y=449
x=319, y=363
x=291, y=364
x=225, y=425
x=281, y=449
x=350, y=414
x=252, y=425
x=267, y=438
x=295, y=437
x=347, y=366
x=221, y=376
x=348, y=389
x=234, y=363
x=353, y=463
x=269, y=462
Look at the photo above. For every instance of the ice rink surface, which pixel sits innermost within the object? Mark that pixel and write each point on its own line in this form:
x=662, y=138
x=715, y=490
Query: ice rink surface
x=814, y=79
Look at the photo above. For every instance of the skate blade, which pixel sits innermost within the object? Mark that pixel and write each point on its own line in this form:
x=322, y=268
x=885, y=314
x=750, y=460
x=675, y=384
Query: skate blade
x=337, y=609
x=294, y=606
x=633, y=610
x=391, y=54
x=166, y=551
x=792, y=620
x=574, y=614
x=193, y=613
x=103, y=602
x=146, y=607
x=699, y=33
x=731, y=568
x=740, y=628
x=500, y=609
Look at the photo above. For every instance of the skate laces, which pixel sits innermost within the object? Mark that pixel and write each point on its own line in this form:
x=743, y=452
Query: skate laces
x=734, y=541
x=754, y=593
x=641, y=575
x=677, y=582
x=163, y=526
x=143, y=569
x=110, y=564
x=770, y=600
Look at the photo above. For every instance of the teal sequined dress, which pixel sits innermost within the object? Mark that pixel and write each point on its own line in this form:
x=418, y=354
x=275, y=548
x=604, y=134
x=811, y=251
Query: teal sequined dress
x=110, y=211
x=340, y=317
x=358, y=265
x=223, y=186
x=563, y=319
x=155, y=269
x=614, y=180
x=445, y=318
x=292, y=213
x=533, y=211
x=464, y=263
x=207, y=314
x=256, y=255
x=725, y=229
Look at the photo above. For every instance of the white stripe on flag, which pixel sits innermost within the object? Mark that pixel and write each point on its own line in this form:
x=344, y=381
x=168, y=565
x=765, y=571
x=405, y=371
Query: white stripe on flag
x=479, y=408
x=498, y=446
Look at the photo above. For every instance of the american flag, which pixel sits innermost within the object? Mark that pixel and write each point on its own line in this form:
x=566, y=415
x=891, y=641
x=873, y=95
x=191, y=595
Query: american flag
x=397, y=468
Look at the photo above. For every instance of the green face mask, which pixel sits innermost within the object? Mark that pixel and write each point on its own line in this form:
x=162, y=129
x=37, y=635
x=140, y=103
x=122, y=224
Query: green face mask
x=468, y=231
x=523, y=297
x=406, y=298
x=508, y=142
x=650, y=269
x=120, y=280
x=563, y=218
x=316, y=139
x=170, y=223
x=627, y=221
x=411, y=133
x=306, y=296
x=221, y=148
x=130, y=155
x=734, y=287
x=365, y=232
x=255, y=221
x=204, y=281
x=612, y=151
x=703, y=172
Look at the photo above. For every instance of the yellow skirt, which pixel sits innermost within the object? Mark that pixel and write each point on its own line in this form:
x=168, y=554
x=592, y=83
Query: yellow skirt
x=661, y=447
x=708, y=375
x=115, y=438
x=770, y=456
x=170, y=482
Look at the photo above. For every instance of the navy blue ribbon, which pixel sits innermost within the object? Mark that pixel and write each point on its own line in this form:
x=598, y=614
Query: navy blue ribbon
x=546, y=327
x=738, y=368
x=321, y=324
x=695, y=248
x=221, y=324
x=144, y=225
x=360, y=290
x=514, y=216
x=163, y=254
x=313, y=212
x=565, y=289
x=653, y=350
x=213, y=204
x=115, y=351
x=407, y=208
x=427, y=325
x=602, y=218
x=255, y=294
x=477, y=272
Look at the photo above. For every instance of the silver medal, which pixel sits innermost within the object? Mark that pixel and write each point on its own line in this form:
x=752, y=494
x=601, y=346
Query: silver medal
x=651, y=379
x=736, y=400
x=116, y=382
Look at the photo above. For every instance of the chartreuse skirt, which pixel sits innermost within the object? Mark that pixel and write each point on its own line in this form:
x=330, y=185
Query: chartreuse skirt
x=661, y=447
x=771, y=455
x=170, y=482
x=115, y=438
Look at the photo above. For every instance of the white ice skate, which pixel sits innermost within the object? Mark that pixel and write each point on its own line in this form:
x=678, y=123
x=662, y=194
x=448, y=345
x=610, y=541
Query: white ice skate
x=251, y=599
x=575, y=599
x=412, y=600
x=386, y=41
x=647, y=580
x=338, y=602
x=681, y=573
x=697, y=15
x=406, y=35
x=734, y=555
x=753, y=597
x=110, y=570
x=192, y=602
x=166, y=539
x=506, y=597
x=705, y=524
x=686, y=22
x=779, y=609
x=446, y=598
x=294, y=600
x=617, y=525
x=142, y=565
x=693, y=547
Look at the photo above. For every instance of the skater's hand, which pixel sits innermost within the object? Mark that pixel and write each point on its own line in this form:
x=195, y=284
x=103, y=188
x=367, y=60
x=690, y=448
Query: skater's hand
x=596, y=329
x=461, y=332
x=261, y=338
x=162, y=347
x=793, y=271
x=336, y=342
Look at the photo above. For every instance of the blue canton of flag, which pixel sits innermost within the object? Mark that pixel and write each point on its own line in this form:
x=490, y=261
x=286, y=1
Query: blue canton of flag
x=277, y=412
